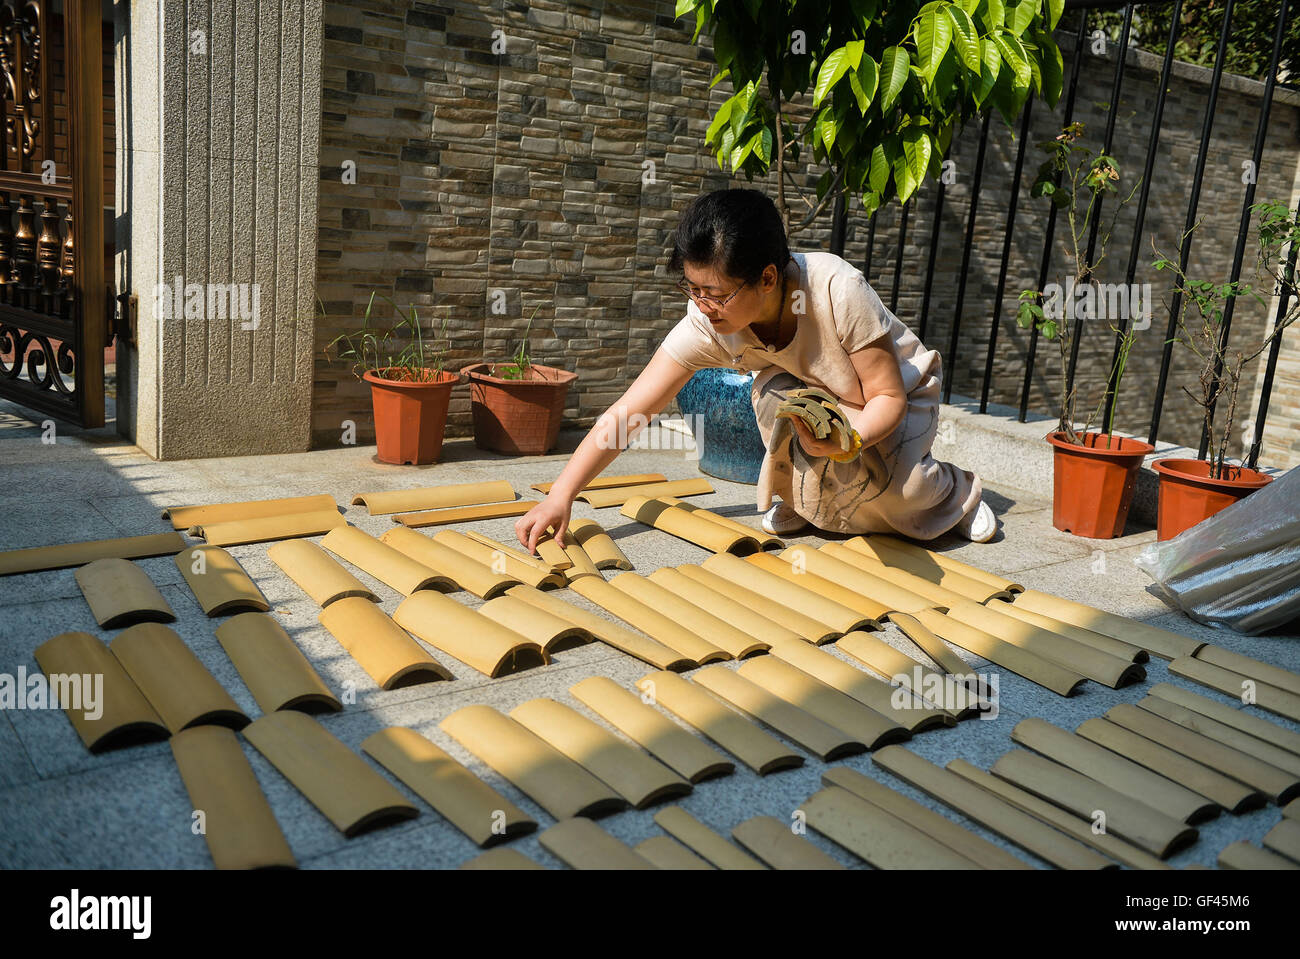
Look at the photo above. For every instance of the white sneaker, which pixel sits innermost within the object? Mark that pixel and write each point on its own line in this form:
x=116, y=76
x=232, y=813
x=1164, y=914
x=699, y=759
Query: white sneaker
x=979, y=525
x=781, y=520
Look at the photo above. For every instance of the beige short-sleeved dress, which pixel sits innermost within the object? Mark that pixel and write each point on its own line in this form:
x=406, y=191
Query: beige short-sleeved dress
x=894, y=486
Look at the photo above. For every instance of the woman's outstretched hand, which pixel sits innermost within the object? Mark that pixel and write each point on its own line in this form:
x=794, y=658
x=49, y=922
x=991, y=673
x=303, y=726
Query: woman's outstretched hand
x=550, y=513
x=811, y=444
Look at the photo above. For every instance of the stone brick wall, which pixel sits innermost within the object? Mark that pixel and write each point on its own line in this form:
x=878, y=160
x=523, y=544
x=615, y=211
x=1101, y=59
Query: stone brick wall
x=549, y=177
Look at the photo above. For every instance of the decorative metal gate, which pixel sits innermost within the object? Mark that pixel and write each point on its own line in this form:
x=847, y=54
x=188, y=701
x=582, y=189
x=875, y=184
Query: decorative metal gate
x=53, y=319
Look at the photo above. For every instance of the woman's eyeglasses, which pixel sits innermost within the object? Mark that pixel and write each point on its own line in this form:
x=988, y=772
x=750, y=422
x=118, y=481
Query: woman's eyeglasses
x=707, y=300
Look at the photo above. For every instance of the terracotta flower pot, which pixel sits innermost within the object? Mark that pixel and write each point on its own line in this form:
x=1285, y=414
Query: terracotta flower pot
x=1092, y=484
x=1188, y=495
x=410, y=417
x=517, y=416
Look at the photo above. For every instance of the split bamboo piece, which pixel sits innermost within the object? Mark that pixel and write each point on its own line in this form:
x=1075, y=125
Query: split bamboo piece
x=470, y=575
x=1098, y=641
x=465, y=514
x=334, y=779
x=1159, y=642
x=501, y=858
x=1243, y=855
x=1251, y=668
x=845, y=574
x=932, y=686
x=1247, y=722
x=598, y=544
x=854, y=552
x=778, y=610
x=543, y=773
x=1222, y=733
x=219, y=583
x=659, y=735
x=1232, y=795
x=1106, y=843
x=1267, y=697
x=912, y=714
x=188, y=517
x=124, y=714
x=833, y=615
x=665, y=852
x=1285, y=839
x=316, y=572
x=239, y=827
x=879, y=837
x=606, y=482
x=772, y=841
x=120, y=593
x=618, y=495
x=553, y=554
x=829, y=705
x=493, y=544
x=41, y=558
x=434, y=497
x=743, y=617
x=581, y=844
x=765, y=539
x=1113, y=770
x=948, y=561
x=630, y=772
x=1277, y=784
x=934, y=647
x=270, y=528
x=611, y=634
x=699, y=838
x=171, y=677
x=545, y=629
x=1022, y=662
x=476, y=640
x=272, y=667
x=683, y=637
x=825, y=588
x=582, y=563
x=686, y=525
x=388, y=655
x=520, y=566
x=729, y=729
x=464, y=800
x=1131, y=819
x=941, y=829
x=990, y=811
x=1100, y=667
x=722, y=634
x=823, y=740
x=887, y=553
x=392, y=568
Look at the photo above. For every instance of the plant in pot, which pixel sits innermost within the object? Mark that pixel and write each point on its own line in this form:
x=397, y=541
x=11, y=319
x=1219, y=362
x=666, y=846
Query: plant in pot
x=1192, y=490
x=1094, y=473
x=409, y=389
x=517, y=406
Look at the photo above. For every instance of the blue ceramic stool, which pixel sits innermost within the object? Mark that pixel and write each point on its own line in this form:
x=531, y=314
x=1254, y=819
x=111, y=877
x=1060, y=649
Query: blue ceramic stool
x=731, y=448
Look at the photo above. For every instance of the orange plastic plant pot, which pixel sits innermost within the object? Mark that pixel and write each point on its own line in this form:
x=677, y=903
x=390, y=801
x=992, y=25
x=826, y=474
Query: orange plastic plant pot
x=521, y=417
x=1093, y=483
x=1189, y=495
x=410, y=417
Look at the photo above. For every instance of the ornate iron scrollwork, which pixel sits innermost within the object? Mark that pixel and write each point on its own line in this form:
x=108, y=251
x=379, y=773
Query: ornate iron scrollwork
x=21, y=44
x=34, y=351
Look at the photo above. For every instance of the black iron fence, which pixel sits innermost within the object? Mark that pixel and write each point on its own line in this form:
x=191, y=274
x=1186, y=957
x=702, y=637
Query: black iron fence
x=1084, y=14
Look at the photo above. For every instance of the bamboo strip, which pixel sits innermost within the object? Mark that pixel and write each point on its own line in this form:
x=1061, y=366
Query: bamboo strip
x=1247, y=722
x=665, y=852
x=854, y=552
x=553, y=554
x=272, y=667
x=606, y=482
x=41, y=558
x=545, y=629
x=879, y=837
x=464, y=514
x=171, y=677
x=887, y=553
x=188, y=517
x=501, y=559
x=722, y=634
x=1252, y=668
x=316, y=573
x=835, y=616
x=948, y=561
x=1157, y=641
x=1242, y=855
x=816, y=562
x=765, y=539
x=120, y=593
x=777, y=608
x=749, y=620
x=388, y=655
x=218, y=582
x=1223, y=733
x=932, y=645
x=582, y=562
x=581, y=844
x=386, y=564
x=1285, y=839
x=434, y=497
x=617, y=496
x=1251, y=692
x=598, y=544
x=722, y=724
x=791, y=573
x=704, y=841
x=902, y=670
x=686, y=525
x=501, y=858
x=270, y=528
x=495, y=545
x=773, y=842
x=475, y=640
x=468, y=574
x=1098, y=641
x=685, y=638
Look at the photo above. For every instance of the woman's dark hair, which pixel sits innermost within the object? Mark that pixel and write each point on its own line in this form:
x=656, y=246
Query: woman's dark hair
x=737, y=232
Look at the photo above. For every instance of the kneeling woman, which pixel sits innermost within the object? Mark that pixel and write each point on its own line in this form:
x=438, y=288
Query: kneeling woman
x=796, y=320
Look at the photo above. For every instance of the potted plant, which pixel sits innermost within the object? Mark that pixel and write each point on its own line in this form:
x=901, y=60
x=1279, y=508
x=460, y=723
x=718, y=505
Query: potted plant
x=409, y=389
x=517, y=406
x=1192, y=490
x=1094, y=473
